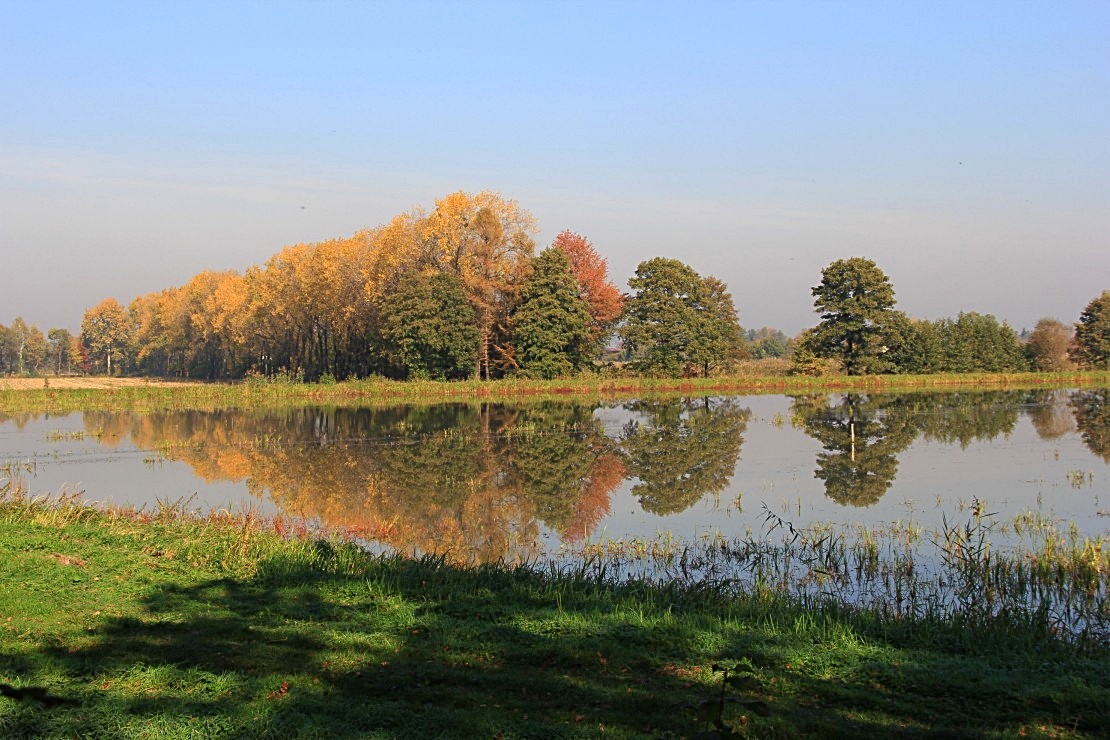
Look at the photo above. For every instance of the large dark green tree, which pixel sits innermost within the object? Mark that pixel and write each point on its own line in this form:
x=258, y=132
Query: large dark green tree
x=856, y=302
x=431, y=327
x=679, y=320
x=1092, y=334
x=552, y=326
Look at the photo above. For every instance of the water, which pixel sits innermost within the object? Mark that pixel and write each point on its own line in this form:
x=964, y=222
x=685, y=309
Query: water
x=515, y=482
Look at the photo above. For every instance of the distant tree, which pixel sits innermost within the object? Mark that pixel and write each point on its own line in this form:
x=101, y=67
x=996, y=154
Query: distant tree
x=592, y=274
x=58, y=350
x=18, y=335
x=855, y=299
x=677, y=320
x=34, y=354
x=976, y=342
x=107, y=331
x=767, y=342
x=552, y=326
x=1092, y=334
x=1048, y=345
x=431, y=328
x=7, y=351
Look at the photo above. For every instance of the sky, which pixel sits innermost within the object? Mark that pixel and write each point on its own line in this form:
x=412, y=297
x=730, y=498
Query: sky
x=962, y=146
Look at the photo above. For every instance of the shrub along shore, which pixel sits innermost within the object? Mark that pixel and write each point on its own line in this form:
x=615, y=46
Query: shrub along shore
x=166, y=625
x=153, y=394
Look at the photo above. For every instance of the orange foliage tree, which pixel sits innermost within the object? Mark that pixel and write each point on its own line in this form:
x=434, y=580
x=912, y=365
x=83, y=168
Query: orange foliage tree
x=591, y=270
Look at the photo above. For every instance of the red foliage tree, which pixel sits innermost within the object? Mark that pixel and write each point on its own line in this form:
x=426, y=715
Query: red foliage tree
x=592, y=272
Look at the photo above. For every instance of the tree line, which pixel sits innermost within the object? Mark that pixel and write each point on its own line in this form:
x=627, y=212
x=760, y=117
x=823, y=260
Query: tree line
x=860, y=333
x=460, y=292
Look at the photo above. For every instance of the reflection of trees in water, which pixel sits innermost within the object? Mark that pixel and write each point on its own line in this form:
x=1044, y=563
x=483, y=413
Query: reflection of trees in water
x=861, y=436
x=1050, y=413
x=471, y=481
x=683, y=450
x=963, y=417
x=1092, y=417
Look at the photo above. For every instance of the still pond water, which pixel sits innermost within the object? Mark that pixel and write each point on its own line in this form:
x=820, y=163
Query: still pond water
x=523, y=481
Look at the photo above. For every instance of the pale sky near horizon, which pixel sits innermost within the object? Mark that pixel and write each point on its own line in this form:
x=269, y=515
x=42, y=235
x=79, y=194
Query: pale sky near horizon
x=963, y=146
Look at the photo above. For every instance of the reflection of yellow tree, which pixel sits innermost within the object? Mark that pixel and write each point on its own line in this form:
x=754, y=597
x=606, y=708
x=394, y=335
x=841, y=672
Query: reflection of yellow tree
x=1092, y=416
x=473, y=483
x=684, y=449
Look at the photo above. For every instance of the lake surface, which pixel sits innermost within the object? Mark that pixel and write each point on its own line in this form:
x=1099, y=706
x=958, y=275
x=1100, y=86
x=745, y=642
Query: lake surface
x=491, y=481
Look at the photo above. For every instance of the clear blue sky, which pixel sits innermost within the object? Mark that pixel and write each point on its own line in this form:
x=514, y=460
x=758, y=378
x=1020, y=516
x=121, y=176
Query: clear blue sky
x=964, y=146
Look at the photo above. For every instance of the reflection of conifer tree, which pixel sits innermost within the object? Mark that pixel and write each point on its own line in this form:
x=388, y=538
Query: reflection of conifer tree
x=684, y=450
x=1050, y=414
x=1092, y=417
x=861, y=439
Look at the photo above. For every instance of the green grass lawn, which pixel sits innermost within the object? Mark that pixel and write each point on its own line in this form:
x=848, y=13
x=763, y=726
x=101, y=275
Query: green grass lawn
x=180, y=627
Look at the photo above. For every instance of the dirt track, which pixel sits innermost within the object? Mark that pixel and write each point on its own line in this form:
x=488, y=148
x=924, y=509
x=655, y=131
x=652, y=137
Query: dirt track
x=83, y=382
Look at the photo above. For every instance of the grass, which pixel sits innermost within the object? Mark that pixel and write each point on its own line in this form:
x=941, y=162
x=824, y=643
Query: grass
x=165, y=625
x=277, y=392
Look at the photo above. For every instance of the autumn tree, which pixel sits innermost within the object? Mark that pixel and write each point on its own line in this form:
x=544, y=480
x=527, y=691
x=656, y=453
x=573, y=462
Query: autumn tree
x=855, y=299
x=19, y=337
x=486, y=241
x=34, y=354
x=677, y=319
x=1092, y=334
x=552, y=326
x=431, y=328
x=59, y=353
x=1048, y=345
x=591, y=271
x=107, y=331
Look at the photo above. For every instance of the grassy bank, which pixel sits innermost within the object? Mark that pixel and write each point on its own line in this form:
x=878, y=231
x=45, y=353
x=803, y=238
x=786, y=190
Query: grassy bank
x=255, y=393
x=163, y=625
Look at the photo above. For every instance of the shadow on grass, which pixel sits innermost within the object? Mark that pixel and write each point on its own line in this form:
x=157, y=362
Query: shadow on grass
x=401, y=648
